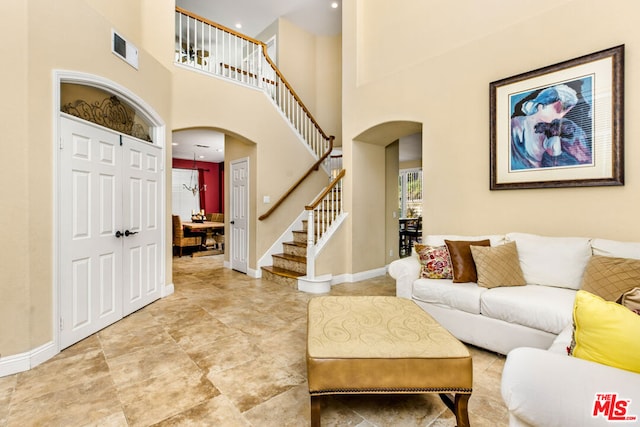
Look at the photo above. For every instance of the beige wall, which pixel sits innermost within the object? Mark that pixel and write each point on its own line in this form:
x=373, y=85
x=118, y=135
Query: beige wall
x=328, y=108
x=297, y=60
x=436, y=70
x=392, y=223
x=77, y=38
x=14, y=197
x=312, y=65
x=200, y=101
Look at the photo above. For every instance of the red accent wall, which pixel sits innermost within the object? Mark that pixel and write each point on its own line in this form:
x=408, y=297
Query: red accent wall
x=212, y=176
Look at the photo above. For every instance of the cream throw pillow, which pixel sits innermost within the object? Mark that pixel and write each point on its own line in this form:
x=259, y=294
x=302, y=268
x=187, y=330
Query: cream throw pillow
x=610, y=277
x=498, y=265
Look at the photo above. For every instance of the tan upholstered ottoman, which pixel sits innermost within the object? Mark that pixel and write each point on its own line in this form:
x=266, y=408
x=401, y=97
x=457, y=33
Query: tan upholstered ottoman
x=376, y=344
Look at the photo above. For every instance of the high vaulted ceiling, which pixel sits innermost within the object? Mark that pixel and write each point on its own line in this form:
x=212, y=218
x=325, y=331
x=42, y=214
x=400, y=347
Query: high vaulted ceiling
x=315, y=16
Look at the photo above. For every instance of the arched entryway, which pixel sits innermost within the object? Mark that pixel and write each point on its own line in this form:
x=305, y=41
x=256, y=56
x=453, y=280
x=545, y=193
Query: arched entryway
x=379, y=153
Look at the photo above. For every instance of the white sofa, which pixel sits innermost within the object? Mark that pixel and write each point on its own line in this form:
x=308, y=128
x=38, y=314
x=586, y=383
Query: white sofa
x=504, y=318
x=547, y=388
x=541, y=385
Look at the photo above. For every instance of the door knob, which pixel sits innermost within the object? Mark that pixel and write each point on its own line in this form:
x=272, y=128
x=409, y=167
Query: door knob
x=119, y=234
x=130, y=233
x=232, y=222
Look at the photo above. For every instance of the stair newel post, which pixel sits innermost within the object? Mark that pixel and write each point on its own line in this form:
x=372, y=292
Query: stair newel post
x=311, y=246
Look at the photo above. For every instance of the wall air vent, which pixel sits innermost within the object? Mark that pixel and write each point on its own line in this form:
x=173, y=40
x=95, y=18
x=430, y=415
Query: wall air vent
x=125, y=50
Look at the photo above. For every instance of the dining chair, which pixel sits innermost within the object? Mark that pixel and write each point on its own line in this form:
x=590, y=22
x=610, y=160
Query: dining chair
x=180, y=240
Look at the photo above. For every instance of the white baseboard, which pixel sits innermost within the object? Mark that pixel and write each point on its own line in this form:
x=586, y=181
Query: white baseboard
x=317, y=285
x=167, y=290
x=24, y=361
x=356, y=277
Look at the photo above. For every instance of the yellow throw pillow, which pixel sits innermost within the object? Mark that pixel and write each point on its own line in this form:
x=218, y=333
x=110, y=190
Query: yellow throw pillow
x=605, y=332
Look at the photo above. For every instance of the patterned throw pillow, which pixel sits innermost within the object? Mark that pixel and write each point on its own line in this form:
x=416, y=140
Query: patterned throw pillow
x=498, y=265
x=610, y=277
x=435, y=261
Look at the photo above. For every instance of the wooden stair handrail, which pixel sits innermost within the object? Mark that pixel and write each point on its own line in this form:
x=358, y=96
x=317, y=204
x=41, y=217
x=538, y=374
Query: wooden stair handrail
x=326, y=191
x=293, y=92
x=264, y=51
x=313, y=168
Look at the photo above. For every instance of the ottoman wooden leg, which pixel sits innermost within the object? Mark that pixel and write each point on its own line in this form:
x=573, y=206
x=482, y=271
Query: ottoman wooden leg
x=461, y=406
x=315, y=411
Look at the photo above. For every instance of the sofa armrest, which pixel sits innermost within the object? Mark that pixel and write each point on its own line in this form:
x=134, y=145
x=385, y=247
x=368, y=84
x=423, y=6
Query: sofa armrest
x=542, y=388
x=405, y=271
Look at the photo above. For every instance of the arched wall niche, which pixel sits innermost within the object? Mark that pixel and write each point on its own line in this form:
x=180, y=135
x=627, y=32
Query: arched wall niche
x=103, y=108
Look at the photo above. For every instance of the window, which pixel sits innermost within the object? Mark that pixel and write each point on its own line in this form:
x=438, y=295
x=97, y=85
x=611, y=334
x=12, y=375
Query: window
x=410, y=193
x=184, y=201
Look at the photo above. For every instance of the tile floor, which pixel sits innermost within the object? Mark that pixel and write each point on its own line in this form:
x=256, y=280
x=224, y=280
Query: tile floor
x=223, y=350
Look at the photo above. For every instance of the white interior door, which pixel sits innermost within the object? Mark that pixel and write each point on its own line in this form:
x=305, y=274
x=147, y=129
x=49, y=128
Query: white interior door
x=238, y=223
x=91, y=214
x=141, y=223
x=109, y=185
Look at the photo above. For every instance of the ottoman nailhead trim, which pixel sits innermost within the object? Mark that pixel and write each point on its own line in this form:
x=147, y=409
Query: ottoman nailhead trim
x=393, y=390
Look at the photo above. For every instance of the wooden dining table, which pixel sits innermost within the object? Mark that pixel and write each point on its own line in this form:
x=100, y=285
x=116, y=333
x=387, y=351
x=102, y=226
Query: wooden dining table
x=202, y=226
x=207, y=227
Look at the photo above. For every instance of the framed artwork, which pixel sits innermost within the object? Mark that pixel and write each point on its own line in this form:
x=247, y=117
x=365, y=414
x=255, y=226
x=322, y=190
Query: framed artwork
x=559, y=126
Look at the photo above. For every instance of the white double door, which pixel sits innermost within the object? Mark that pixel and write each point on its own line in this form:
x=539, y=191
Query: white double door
x=110, y=236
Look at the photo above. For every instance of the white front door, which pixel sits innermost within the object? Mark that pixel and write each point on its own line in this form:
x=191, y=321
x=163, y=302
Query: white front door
x=238, y=223
x=110, y=236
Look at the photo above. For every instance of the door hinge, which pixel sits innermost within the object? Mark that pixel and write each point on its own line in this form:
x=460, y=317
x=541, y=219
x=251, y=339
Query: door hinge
x=61, y=143
x=61, y=323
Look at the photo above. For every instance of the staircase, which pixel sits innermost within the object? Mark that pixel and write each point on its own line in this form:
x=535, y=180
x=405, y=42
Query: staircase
x=326, y=214
x=245, y=60
x=291, y=264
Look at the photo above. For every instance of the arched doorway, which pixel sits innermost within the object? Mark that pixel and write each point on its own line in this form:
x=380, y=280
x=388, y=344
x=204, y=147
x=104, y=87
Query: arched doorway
x=109, y=205
x=378, y=157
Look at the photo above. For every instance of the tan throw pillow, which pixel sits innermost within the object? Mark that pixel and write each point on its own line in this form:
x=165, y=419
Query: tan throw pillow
x=631, y=300
x=464, y=269
x=610, y=277
x=498, y=265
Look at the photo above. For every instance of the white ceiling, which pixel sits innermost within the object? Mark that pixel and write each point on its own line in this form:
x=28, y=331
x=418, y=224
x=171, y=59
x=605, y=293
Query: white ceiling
x=206, y=145
x=315, y=16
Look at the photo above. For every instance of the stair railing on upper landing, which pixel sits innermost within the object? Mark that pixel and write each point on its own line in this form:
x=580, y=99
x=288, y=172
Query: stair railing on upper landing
x=215, y=49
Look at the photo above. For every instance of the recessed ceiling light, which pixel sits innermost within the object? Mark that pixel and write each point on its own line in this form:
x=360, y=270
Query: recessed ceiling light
x=201, y=157
x=238, y=25
x=174, y=143
x=334, y=5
